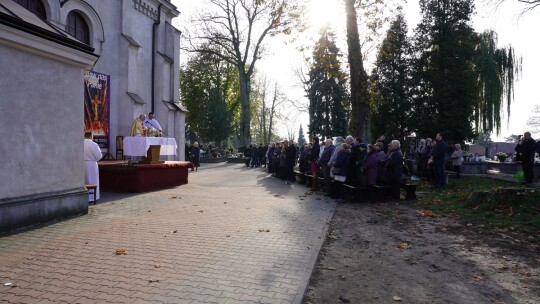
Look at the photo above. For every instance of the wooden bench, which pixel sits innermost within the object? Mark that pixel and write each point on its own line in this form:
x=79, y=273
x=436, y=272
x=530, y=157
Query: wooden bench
x=383, y=191
x=410, y=190
x=93, y=188
x=301, y=177
x=447, y=174
x=354, y=192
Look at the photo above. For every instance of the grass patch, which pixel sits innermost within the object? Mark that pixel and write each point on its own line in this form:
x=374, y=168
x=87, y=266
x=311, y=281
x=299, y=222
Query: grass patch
x=492, y=203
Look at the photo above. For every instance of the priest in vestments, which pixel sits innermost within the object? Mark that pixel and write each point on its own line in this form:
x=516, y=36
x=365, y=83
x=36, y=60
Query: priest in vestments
x=137, y=127
x=92, y=153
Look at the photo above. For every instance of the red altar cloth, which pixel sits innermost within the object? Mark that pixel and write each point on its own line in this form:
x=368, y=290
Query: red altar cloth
x=114, y=177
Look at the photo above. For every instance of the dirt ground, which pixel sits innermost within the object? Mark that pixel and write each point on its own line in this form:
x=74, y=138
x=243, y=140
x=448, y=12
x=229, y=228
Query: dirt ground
x=388, y=253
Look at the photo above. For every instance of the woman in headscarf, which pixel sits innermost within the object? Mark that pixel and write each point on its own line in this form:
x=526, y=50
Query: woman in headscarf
x=457, y=159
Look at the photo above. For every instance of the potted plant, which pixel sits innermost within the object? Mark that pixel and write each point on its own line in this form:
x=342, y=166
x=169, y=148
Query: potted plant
x=501, y=156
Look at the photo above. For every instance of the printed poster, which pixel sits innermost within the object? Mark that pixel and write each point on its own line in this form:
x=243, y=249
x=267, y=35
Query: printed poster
x=97, y=106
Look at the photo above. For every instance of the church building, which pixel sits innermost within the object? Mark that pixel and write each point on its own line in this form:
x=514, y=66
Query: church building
x=70, y=66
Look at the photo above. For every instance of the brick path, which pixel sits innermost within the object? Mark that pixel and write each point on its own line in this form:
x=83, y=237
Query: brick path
x=198, y=243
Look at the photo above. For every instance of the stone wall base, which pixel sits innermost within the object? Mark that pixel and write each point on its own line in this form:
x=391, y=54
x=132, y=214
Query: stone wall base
x=38, y=209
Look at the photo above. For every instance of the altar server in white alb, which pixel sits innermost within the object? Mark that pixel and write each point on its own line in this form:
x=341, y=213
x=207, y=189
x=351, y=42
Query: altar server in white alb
x=152, y=125
x=92, y=154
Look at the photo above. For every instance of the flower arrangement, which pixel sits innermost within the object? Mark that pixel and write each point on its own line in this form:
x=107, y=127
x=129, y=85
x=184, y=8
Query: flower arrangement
x=501, y=156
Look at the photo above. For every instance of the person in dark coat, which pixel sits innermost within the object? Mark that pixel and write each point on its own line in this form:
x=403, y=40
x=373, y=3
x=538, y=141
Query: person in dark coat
x=382, y=139
x=313, y=158
x=352, y=171
x=262, y=154
x=370, y=171
x=394, y=167
x=303, y=162
x=277, y=160
x=254, y=156
x=195, y=154
x=270, y=157
x=291, y=152
x=247, y=154
x=526, y=150
x=186, y=152
x=438, y=155
x=323, y=160
x=340, y=169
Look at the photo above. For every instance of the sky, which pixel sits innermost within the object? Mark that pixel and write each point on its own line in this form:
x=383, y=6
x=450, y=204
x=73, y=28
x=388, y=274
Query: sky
x=283, y=58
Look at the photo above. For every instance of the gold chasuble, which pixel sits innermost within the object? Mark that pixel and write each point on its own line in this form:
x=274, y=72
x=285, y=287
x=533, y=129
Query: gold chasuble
x=137, y=128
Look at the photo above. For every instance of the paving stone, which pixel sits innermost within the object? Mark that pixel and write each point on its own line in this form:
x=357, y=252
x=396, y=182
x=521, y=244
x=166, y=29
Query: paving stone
x=190, y=248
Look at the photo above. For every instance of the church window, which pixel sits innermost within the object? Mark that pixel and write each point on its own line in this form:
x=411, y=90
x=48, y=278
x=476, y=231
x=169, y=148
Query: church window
x=35, y=6
x=77, y=27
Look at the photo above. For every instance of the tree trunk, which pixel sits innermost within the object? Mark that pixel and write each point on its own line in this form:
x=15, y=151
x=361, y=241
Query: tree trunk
x=359, y=80
x=245, y=121
x=272, y=114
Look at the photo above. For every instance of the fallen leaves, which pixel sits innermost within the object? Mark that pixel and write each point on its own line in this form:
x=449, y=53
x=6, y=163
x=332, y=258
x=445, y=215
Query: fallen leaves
x=427, y=213
x=158, y=265
x=153, y=281
x=404, y=245
x=477, y=277
x=264, y=230
x=120, y=252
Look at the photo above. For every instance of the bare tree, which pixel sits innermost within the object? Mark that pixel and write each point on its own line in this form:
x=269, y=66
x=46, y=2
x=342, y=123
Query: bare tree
x=276, y=101
x=238, y=28
x=528, y=4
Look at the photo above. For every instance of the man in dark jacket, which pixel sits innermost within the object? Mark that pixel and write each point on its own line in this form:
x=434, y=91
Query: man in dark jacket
x=262, y=154
x=394, y=167
x=438, y=154
x=291, y=161
x=525, y=149
x=325, y=158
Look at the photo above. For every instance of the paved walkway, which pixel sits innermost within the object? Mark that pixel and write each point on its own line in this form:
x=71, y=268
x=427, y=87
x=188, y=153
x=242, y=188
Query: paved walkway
x=197, y=243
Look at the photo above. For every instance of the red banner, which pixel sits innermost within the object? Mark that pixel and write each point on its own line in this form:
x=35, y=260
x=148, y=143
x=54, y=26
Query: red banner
x=96, y=107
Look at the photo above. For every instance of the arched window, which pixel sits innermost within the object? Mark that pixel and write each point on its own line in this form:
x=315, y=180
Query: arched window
x=76, y=26
x=35, y=6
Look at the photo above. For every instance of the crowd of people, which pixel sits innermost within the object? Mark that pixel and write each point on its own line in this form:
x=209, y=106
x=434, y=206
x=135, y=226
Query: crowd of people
x=349, y=160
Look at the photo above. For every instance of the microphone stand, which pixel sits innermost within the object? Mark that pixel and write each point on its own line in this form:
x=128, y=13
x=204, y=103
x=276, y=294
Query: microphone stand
x=149, y=122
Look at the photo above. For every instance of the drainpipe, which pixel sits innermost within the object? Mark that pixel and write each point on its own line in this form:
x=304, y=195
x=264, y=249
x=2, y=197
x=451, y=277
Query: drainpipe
x=154, y=50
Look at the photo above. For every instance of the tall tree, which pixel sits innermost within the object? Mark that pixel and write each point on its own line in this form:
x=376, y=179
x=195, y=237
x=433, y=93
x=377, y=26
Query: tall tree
x=497, y=69
x=445, y=80
x=390, y=90
x=301, y=138
x=237, y=28
x=359, y=79
x=206, y=87
x=326, y=90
